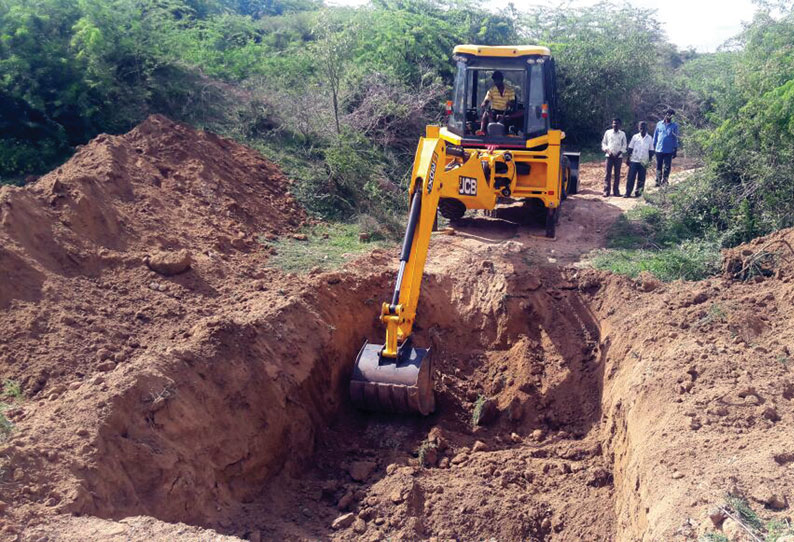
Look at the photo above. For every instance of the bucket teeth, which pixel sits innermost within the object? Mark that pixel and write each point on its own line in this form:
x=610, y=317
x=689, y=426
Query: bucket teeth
x=386, y=385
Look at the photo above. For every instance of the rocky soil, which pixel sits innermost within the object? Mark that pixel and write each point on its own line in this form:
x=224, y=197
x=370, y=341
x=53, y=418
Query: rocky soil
x=174, y=386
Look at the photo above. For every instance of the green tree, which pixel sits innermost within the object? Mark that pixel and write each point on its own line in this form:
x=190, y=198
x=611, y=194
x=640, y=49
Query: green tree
x=610, y=61
x=333, y=48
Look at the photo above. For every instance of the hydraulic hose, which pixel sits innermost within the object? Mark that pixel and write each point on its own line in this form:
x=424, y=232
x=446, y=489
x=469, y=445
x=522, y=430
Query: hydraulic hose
x=405, y=253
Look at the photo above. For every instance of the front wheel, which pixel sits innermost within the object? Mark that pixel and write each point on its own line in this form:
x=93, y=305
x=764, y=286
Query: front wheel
x=451, y=209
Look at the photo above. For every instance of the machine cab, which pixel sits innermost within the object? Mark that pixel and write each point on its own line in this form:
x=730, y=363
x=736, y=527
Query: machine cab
x=527, y=71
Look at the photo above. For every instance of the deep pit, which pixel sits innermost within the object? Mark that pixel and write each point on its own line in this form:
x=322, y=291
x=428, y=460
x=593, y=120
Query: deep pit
x=248, y=427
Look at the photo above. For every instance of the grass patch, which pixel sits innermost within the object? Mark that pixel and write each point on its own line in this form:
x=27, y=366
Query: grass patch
x=327, y=246
x=716, y=313
x=738, y=509
x=12, y=390
x=644, y=239
x=690, y=260
x=425, y=448
x=777, y=529
x=746, y=514
x=6, y=427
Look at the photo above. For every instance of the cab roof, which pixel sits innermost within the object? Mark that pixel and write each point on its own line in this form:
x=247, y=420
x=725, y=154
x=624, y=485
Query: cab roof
x=502, y=50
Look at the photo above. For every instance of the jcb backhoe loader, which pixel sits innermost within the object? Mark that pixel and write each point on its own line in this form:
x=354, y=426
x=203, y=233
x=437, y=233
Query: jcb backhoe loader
x=460, y=167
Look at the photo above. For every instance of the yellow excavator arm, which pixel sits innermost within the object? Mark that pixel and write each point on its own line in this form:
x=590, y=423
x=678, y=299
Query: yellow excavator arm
x=396, y=376
x=426, y=181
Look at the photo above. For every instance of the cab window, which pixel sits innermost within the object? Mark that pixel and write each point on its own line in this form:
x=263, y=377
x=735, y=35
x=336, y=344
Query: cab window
x=536, y=123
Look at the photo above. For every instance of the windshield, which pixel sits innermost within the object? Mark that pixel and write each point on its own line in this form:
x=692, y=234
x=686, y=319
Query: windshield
x=504, y=106
x=518, y=110
x=457, y=121
x=536, y=122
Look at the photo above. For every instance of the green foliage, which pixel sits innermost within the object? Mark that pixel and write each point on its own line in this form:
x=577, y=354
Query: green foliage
x=479, y=404
x=738, y=509
x=746, y=102
x=262, y=8
x=691, y=260
x=404, y=36
x=327, y=246
x=746, y=514
x=12, y=390
x=776, y=529
x=649, y=238
x=611, y=62
x=12, y=393
x=6, y=427
x=716, y=313
x=339, y=95
x=423, y=450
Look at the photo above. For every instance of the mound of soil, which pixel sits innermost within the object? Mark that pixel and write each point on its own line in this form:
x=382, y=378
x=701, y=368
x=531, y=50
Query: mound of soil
x=75, y=245
x=699, y=399
x=763, y=257
x=123, y=199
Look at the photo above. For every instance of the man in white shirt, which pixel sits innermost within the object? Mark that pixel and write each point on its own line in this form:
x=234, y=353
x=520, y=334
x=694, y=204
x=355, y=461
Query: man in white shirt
x=639, y=156
x=614, y=145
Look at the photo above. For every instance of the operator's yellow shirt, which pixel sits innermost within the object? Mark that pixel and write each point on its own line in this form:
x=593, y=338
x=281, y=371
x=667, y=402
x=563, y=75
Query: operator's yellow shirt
x=500, y=101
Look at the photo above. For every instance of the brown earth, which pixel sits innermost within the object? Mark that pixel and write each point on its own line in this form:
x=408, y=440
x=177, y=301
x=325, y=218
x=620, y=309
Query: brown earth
x=181, y=406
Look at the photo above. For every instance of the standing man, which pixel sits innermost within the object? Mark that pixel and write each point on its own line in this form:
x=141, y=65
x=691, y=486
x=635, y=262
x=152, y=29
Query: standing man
x=639, y=156
x=614, y=145
x=665, y=143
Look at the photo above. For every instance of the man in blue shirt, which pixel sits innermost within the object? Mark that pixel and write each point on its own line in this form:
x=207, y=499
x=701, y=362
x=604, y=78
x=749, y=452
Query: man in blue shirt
x=665, y=144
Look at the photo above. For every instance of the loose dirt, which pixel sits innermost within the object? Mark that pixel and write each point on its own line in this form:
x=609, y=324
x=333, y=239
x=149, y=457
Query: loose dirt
x=211, y=404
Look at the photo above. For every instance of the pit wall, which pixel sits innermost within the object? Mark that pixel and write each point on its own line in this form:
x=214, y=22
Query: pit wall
x=633, y=412
x=218, y=415
x=696, y=402
x=214, y=418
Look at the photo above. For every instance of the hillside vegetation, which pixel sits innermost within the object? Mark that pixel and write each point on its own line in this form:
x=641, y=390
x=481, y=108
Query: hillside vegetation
x=338, y=96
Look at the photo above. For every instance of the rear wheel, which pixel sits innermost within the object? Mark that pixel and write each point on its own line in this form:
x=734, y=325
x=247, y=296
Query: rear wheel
x=451, y=209
x=565, y=176
x=552, y=217
x=573, y=183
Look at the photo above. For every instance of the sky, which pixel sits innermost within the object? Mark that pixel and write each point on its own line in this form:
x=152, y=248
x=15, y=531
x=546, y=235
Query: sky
x=702, y=24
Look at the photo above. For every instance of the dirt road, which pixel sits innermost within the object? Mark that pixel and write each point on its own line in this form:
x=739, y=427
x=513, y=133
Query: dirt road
x=211, y=404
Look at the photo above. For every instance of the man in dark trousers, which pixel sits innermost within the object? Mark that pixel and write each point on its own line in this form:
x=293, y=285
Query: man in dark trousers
x=665, y=143
x=637, y=158
x=614, y=145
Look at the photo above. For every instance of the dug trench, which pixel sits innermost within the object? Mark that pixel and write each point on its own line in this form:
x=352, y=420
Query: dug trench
x=225, y=435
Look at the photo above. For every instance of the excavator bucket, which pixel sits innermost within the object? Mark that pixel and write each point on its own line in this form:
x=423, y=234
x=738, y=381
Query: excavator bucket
x=403, y=384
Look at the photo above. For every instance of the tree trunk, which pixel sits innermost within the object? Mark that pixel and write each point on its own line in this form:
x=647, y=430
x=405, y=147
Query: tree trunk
x=336, y=111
